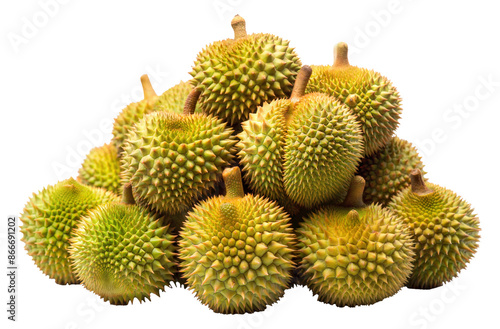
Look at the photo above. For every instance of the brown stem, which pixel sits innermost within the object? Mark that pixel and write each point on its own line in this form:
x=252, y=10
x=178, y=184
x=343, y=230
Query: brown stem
x=418, y=184
x=239, y=27
x=354, y=196
x=340, y=55
x=128, y=196
x=191, y=100
x=299, y=88
x=232, y=180
x=149, y=92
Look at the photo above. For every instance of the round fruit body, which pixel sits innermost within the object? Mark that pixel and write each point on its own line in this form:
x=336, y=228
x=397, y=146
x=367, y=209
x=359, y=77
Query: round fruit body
x=48, y=220
x=236, y=252
x=387, y=172
x=101, y=168
x=444, y=227
x=122, y=252
x=239, y=75
x=172, y=159
x=354, y=256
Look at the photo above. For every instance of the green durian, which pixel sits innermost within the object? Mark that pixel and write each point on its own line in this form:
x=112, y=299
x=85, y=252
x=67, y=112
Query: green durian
x=236, y=250
x=301, y=151
x=101, y=168
x=238, y=75
x=133, y=113
x=173, y=99
x=120, y=251
x=445, y=229
x=354, y=254
x=172, y=159
x=388, y=170
x=48, y=220
x=371, y=96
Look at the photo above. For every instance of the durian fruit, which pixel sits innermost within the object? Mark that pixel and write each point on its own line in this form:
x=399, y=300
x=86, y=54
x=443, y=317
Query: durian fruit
x=371, y=96
x=238, y=75
x=301, y=151
x=445, y=229
x=133, y=113
x=120, y=251
x=236, y=250
x=354, y=254
x=101, y=168
x=172, y=159
x=48, y=220
x=388, y=170
x=173, y=99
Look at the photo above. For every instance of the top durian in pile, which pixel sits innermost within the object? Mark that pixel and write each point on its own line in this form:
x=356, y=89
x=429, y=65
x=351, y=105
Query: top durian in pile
x=303, y=133
x=238, y=75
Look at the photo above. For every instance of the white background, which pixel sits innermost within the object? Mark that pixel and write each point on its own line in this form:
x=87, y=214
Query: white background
x=63, y=81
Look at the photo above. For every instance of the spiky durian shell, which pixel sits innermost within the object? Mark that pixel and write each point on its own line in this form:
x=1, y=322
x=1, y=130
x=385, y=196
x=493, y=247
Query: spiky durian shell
x=237, y=76
x=387, y=171
x=358, y=258
x=371, y=96
x=101, y=168
x=446, y=232
x=237, y=253
x=48, y=220
x=130, y=115
x=122, y=252
x=304, y=153
x=172, y=159
x=173, y=99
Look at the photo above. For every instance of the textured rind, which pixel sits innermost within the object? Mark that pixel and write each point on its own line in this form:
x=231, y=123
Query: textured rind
x=239, y=75
x=446, y=232
x=323, y=149
x=261, y=150
x=48, y=220
x=172, y=159
x=130, y=115
x=101, y=168
x=174, y=98
x=350, y=263
x=237, y=253
x=122, y=252
x=377, y=105
x=301, y=154
x=387, y=172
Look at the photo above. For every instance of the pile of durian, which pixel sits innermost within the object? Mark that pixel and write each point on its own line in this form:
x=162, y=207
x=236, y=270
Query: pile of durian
x=330, y=198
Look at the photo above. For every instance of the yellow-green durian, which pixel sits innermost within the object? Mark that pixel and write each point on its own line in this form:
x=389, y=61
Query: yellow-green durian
x=173, y=159
x=238, y=75
x=354, y=254
x=445, y=229
x=236, y=250
x=101, y=168
x=121, y=251
x=48, y=221
x=388, y=170
x=301, y=151
x=371, y=96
